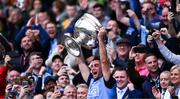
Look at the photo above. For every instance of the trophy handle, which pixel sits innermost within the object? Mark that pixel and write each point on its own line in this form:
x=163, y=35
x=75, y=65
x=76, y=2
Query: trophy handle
x=72, y=46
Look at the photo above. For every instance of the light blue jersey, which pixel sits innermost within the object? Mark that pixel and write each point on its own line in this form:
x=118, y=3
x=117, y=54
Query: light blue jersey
x=98, y=90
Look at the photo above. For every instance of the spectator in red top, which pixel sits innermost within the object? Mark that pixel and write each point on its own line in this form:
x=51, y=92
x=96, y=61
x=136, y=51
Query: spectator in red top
x=138, y=53
x=3, y=74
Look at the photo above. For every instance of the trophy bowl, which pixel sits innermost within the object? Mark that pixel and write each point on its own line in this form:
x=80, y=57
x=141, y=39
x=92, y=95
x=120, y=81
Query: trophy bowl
x=85, y=35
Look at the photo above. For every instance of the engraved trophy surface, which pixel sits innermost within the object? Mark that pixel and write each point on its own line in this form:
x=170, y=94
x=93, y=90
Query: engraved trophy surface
x=85, y=35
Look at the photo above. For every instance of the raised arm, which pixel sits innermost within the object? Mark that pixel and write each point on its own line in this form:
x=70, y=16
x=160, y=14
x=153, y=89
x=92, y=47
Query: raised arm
x=83, y=8
x=103, y=54
x=119, y=14
x=85, y=72
x=168, y=55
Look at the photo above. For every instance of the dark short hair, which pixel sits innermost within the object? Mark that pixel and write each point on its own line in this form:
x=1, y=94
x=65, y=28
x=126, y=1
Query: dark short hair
x=119, y=69
x=57, y=57
x=96, y=58
x=141, y=49
x=36, y=53
x=15, y=68
x=59, y=5
x=98, y=6
x=63, y=74
x=150, y=54
x=49, y=78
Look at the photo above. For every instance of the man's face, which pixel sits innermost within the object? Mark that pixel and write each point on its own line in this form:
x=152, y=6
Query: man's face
x=57, y=64
x=164, y=80
x=51, y=29
x=114, y=28
x=36, y=60
x=152, y=64
x=70, y=93
x=42, y=16
x=112, y=4
x=26, y=43
x=175, y=77
x=121, y=79
x=96, y=69
x=123, y=49
x=13, y=75
x=113, y=25
x=164, y=16
x=148, y=9
x=50, y=86
x=37, y=5
x=63, y=81
x=82, y=93
x=97, y=12
x=15, y=17
x=71, y=10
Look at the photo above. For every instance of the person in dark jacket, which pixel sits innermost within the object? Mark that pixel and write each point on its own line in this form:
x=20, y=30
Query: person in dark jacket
x=125, y=89
x=146, y=83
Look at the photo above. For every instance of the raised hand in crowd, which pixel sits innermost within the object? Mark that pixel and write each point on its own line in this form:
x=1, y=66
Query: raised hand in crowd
x=63, y=70
x=132, y=53
x=33, y=34
x=42, y=70
x=156, y=92
x=8, y=88
x=156, y=35
x=66, y=70
x=170, y=16
x=6, y=60
x=130, y=86
x=33, y=20
x=56, y=94
x=36, y=21
x=24, y=92
x=164, y=31
x=12, y=91
x=171, y=90
x=133, y=15
x=112, y=55
x=30, y=21
x=150, y=41
x=60, y=48
x=120, y=15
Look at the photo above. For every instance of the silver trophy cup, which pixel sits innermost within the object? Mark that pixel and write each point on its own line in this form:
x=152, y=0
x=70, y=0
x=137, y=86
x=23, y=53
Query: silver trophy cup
x=85, y=35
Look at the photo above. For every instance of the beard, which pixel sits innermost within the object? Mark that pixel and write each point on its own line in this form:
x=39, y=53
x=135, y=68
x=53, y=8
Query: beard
x=28, y=48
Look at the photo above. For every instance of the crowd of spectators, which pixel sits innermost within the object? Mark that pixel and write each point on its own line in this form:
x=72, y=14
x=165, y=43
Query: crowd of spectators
x=137, y=54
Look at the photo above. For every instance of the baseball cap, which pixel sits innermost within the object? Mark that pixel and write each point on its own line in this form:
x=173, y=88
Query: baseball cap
x=123, y=40
x=57, y=56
